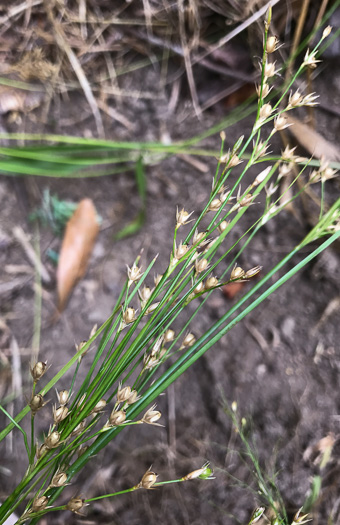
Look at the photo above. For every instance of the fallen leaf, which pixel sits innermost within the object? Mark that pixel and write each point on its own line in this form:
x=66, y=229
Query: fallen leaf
x=312, y=141
x=79, y=238
x=230, y=290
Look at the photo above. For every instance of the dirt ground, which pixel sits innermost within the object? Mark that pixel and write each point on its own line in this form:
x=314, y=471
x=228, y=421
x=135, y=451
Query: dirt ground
x=281, y=364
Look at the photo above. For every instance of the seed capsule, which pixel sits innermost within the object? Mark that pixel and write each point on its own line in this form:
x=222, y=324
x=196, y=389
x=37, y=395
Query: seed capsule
x=63, y=397
x=148, y=480
x=133, y=397
x=117, y=418
x=75, y=504
x=151, y=416
x=210, y=283
x=123, y=394
x=39, y=503
x=129, y=315
x=36, y=403
x=169, y=336
x=188, y=340
x=38, y=370
x=272, y=44
x=99, y=407
x=215, y=205
x=237, y=273
x=59, y=414
x=52, y=440
x=201, y=265
x=79, y=428
x=40, y=450
x=59, y=480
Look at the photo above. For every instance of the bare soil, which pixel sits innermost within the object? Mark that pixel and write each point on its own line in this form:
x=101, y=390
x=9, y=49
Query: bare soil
x=281, y=365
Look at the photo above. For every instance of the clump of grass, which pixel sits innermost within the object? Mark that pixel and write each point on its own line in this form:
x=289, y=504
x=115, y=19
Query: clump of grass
x=126, y=356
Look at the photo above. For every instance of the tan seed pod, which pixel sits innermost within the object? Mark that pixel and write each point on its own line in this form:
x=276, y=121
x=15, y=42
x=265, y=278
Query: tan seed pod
x=79, y=428
x=201, y=265
x=123, y=394
x=199, y=288
x=129, y=315
x=152, y=308
x=117, y=418
x=81, y=450
x=265, y=111
x=237, y=273
x=59, y=480
x=215, y=205
x=39, y=503
x=40, y=450
x=223, y=226
x=194, y=474
x=63, y=397
x=180, y=251
x=59, y=414
x=269, y=69
x=151, y=416
x=99, y=406
x=272, y=44
x=252, y=272
x=134, y=273
x=188, y=340
x=148, y=480
x=169, y=336
x=36, y=403
x=52, y=440
x=75, y=505
x=198, y=237
x=157, y=279
x=133, y=397
x=211, y=283
x=38, y=370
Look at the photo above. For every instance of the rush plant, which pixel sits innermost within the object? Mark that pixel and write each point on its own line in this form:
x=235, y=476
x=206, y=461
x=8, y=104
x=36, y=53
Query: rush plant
x=136, y=354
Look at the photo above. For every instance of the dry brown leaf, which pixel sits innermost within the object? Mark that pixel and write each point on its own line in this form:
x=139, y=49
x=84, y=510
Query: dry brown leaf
x=80, y=235
x=312, y=141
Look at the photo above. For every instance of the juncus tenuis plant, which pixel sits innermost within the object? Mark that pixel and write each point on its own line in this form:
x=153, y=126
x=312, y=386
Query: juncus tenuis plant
x=137, y=353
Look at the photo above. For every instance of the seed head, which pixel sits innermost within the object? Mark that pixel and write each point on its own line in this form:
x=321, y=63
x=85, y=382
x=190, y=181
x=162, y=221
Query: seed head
x=261, y=176
x=63, y=397
x=52, y=440
x=99, y=407
x=201, y=265
x=182, y=217
x=237, y=273
x=284, y=170
x=39, y=503
x=198, y=237
x=211, y=283
x=38, y=370
x=152, y=308
x=246, y=200
x=269, y=69
x=231, y=159
x=75, y=505
x=123, y=394
x=133, y=397
x=81, y=450
x=134, y=273
x=36, y=403
x=79, y=428
x=40, y=450
x=59, y=414
x=144, y=295
x=310, y=100
x=295, y=99
x=223, y=226
x=252, y=272
x=129, y=316
x=199, y=288
x=169, y=335
x=265, y=111
x=151, y=416
x=188, y=340
x=265, y=90
x=326, y=32
x=157, y=279
x=117, y=418
x=148, y=480
x=59, y=480
x=281, y=122
x=272, y=44
x=310, y=60
x=261, y=150
x=203, y=473
x=215, y=205
x=181, y=250
x=288, y=154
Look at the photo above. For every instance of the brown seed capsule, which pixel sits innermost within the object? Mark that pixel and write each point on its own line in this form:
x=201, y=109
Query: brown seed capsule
x=180, y=251
x=252, y=272
x=198, y=237
x=99, y=406
x=133, y=397
x=145, y=294
x=134, y=273
x=129, y=315
x=36, y=403
x=272, y=44
x=281, y=122
x=75, y=504
x=223, y=226
x=79, y=428
x=52, y=440
x=63, y=397
x=117, y=418
x=81, y=450
x=148, y=480
x=265, y=111
x=59, y=480
x=39, y=503
x=40, y=450
x=188, y=340
x=123, y=394
x=201, y=265
x=152, y=308
x=157, y=279
x=210, y=283
x=182, y=217
x=237, y=273
x=151, y=416
x=38, y=370
x=199, y=288
x=215, y=205
x=169, y=336
x=59, y=414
